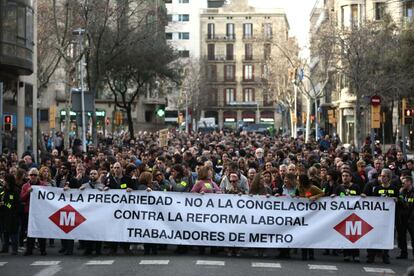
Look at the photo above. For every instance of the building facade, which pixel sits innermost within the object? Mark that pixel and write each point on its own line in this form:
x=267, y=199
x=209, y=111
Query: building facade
x=236, y=39
x=338, y=104
x=183, y=34
x=18, y=70
x=109, y=117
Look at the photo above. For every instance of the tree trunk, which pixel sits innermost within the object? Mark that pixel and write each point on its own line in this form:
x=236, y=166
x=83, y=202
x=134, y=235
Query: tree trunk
x=130, y=122
x=357, y=130
x=308, y=121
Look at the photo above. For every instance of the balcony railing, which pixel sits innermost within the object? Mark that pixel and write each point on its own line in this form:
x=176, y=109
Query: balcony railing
x=221, y=37
x=220, y=58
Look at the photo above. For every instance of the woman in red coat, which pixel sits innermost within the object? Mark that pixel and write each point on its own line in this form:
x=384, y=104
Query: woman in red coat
x=25, y=198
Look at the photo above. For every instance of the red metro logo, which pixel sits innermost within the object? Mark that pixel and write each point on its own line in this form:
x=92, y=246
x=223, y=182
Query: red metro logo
x=353, y=228
x=67, y=218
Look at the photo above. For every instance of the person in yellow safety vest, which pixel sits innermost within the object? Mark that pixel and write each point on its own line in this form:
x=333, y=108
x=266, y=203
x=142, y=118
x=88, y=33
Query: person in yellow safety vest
x=9, y=218
x=385, y=189
x=405, y=219
x=348, y=188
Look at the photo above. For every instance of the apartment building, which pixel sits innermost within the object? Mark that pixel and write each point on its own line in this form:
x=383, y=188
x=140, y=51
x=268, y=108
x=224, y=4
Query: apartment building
x=236, y=39
x=338, y=104
x=183, y=34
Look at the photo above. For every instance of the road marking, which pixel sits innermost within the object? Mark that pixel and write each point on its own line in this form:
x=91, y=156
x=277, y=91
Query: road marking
x=322, y=267
x=45, y=263
x=379, y=270
x=102, y=262
x=267, y=265
x=154, y=262
x=217, y=263
x=3, y=263
x=49, y=271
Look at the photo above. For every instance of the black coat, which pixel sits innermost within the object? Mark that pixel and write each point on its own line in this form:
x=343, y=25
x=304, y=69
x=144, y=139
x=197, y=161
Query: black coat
x=9, y=211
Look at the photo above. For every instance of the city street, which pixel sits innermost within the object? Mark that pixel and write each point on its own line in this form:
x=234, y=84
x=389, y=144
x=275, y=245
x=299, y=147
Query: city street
x=168, y=263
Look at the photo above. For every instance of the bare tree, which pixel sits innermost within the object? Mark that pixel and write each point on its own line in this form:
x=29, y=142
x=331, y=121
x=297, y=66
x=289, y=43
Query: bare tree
x=131, y=74
x=367, y=68
x=56, y=20
x=194, y=84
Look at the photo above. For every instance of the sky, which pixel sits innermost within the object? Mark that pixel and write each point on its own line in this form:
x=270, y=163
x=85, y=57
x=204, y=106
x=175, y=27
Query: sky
x=297, y=12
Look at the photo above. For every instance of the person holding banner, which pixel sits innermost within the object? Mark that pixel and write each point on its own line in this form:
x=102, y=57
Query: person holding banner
x=205, y=184
x=146, y=183
x=385, y=189
x=234, y=188
x=117, y=180
x=307, y=190
x=93, y=183
x=347, y=188
x=25, y=198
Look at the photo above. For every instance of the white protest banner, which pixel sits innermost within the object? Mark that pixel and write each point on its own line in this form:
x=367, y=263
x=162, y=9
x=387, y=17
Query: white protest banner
x=211, y=219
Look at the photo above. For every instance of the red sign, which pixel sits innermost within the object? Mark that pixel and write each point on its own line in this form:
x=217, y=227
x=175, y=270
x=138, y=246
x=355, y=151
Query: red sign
x=375, y=100
x=67, y=218
x=353, y=228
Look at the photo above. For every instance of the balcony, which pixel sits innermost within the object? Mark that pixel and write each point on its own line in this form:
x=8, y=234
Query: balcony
x=221, y=58
x=154, y=101
x=250, y=82
x=220, y=37
x=249, y=37
x=250, y=58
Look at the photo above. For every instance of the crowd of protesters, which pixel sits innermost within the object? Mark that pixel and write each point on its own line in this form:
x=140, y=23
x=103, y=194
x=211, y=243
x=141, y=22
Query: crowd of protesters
x=217, y=162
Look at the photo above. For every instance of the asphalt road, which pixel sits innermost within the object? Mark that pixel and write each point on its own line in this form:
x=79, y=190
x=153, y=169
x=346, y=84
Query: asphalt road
x=168, y=263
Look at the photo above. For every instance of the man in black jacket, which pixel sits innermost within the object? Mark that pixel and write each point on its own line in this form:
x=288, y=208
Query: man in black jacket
x=117, y=180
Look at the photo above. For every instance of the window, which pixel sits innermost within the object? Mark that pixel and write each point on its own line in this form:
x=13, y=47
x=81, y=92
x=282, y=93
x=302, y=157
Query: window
x=230, y=31
x=248, y=95
x=267, y=30
x=267, y=50
x=44, y=115
x=212, y=72
x=184, y=53
x=354, y=15
x=230, y=95
x=210, y=30
x=342, y=16
x=9, y=26
x=229, y=52
x=379, y=11
x=168, y=36
x=248, y=51
x=211, y=51
x=267, y=99
x=408, y=10
x=169, y=17
x=229, y=72
x=248, y=30
x=168, y=1
x=183, y=36
x=21, y=22
x=248, y=72
x=184, y=1
x=184, y=17
x=212, y=99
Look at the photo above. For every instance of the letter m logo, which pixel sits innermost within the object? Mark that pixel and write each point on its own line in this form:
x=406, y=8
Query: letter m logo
x=67, y=218
x=353, y=228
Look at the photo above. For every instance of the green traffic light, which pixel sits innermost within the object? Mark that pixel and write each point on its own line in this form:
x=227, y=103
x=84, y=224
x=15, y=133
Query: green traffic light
x=160, y=112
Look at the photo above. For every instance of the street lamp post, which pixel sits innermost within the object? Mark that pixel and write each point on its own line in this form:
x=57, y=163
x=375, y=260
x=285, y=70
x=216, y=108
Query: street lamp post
x=80, y=32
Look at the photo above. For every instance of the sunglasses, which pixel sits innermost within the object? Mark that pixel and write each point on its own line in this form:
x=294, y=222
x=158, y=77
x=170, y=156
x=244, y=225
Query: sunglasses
x=33, y=174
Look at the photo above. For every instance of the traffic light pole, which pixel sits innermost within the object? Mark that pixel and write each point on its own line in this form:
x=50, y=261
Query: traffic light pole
x=1, y=119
